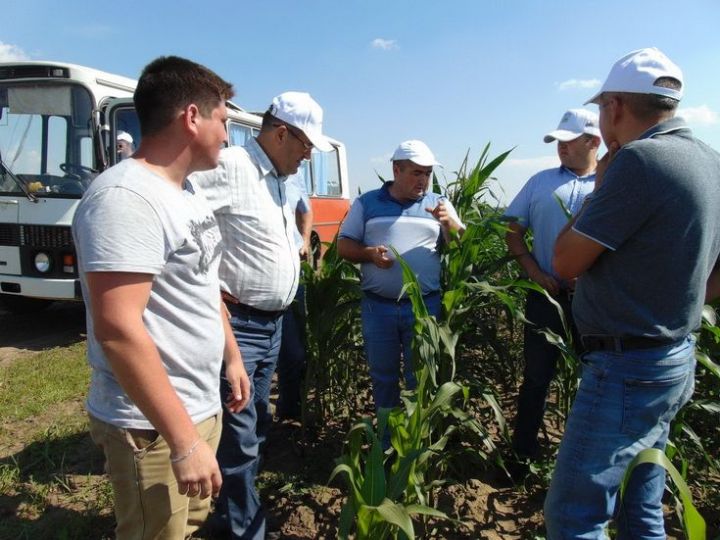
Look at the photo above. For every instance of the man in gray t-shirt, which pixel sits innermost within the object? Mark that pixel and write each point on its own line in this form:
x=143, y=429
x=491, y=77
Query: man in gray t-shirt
x=148, y=249
x=643, y=246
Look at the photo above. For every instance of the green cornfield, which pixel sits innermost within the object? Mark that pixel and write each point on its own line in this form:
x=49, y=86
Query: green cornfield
x=466, y=363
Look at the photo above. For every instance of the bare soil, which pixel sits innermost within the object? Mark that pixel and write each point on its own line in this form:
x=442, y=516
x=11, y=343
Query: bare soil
x=485, y=502
x=57, y=326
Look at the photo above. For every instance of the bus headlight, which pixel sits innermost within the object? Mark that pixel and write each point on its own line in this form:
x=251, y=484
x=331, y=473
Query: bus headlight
x=42, y=262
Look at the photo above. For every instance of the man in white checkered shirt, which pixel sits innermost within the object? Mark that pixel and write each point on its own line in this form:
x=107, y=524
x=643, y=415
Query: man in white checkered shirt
x=259, y=274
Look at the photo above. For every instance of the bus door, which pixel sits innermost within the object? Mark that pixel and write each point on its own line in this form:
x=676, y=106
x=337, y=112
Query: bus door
x=122, y=134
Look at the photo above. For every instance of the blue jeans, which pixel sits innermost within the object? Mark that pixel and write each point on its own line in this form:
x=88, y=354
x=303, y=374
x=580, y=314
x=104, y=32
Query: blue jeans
x=238, y=507
x=541, y=358
x=625, y=404
x=387, y=328
x=291, y=362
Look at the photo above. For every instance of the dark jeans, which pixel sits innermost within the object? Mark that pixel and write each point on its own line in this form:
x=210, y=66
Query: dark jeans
x=540, y=364
x=238, y=506
x=291, y=362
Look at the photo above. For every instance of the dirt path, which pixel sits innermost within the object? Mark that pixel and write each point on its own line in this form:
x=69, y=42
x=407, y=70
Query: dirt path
x=57, y=326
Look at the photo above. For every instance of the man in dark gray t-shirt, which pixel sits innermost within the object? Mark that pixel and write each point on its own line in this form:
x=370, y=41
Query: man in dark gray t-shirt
x=644, y=246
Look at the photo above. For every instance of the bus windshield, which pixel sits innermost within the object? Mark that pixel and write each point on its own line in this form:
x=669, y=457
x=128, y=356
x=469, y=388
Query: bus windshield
x=45, y=139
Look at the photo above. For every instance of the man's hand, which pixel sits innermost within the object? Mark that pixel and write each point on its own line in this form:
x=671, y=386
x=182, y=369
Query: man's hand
x=379, y=258
x=441, y=213
x=546, y=281
x=304, y=250
x=239, y=382
x=198, y=473
x=604, y=162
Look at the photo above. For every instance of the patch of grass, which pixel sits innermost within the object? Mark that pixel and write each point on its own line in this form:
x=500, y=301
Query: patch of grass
x=32, y=384
x=9, y=475
x=53, y=485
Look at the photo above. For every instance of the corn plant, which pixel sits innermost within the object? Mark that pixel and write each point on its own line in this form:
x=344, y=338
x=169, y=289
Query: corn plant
x=477, y=260
x=332, y=299
x=376, y=503
x=693, y=522
x=421, y=428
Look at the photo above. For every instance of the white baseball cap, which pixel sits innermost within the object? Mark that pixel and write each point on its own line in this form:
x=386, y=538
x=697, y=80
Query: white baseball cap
x=301, y=111
x=574, y=123
x=637, y=72
x=415, y=151
x=124, y=136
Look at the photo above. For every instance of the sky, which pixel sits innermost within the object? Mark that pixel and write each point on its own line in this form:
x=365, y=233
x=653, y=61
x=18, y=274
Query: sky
x=456, y=74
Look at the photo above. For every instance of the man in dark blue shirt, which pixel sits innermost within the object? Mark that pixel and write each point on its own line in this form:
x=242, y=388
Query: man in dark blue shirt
x=643, y=246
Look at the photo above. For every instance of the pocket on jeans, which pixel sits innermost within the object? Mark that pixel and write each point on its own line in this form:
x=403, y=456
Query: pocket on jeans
x=646, y=402
x=142, y=441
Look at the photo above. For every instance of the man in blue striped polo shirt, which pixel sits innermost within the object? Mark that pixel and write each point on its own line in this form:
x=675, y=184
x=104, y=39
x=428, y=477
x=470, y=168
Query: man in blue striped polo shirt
x=401, y=214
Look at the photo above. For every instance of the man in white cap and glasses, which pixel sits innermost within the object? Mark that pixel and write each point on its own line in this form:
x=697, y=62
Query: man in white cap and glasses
x=405, y=215
x=259, y=274
x=124, y=145
x=643, y=248
x=541, y=207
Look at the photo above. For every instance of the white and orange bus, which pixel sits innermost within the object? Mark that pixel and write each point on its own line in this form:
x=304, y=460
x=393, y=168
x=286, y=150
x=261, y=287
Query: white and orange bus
x=58, y=127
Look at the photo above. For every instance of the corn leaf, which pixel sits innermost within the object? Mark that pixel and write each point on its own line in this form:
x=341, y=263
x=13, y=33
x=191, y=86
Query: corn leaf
x=692, y=520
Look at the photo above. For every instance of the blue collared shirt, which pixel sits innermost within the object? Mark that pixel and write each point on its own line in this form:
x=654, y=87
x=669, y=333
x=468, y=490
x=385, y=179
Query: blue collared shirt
x=537, y=207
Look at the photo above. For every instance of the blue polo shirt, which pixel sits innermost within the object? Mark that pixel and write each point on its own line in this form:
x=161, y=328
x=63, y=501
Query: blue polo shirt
x=537, y=207
x=376, y=218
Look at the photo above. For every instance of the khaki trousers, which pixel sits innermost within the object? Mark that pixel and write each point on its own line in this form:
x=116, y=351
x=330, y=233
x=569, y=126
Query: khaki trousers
x=147, y=503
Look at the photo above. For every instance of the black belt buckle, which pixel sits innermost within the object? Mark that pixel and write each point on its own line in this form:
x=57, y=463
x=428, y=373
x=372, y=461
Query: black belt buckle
x=600, y=342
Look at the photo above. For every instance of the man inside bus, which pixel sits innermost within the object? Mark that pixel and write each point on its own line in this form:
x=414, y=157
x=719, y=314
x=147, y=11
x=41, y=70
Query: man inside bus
x=541, y=207
x=402, y=214
x=259, y=274
x=124, y=145
x=148, y=248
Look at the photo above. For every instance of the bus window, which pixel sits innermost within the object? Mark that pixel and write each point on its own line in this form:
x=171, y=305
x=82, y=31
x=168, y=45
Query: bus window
x=125, y=119
x=305, y=172
x=326, y=174
x=57, y=153
x=87, y=159
x=238, y=134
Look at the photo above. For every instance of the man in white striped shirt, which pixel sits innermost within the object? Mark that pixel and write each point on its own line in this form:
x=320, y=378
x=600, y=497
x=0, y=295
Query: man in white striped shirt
x=259, y=274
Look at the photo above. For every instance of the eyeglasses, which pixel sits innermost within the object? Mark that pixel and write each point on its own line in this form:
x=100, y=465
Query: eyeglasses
x=306, y=145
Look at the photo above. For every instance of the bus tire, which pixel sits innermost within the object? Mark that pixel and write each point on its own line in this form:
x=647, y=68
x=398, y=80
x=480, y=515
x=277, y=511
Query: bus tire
x=21, y=305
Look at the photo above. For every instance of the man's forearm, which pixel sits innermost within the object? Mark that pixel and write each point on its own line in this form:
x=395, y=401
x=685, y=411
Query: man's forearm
x=118, y=302
x=515, y=240
x=304, y=223
x=136, y=363
x=354, y=251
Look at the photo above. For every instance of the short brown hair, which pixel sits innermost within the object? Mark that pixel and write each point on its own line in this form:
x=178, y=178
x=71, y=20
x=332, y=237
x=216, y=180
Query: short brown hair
x=170, y=83
x=650, y=106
